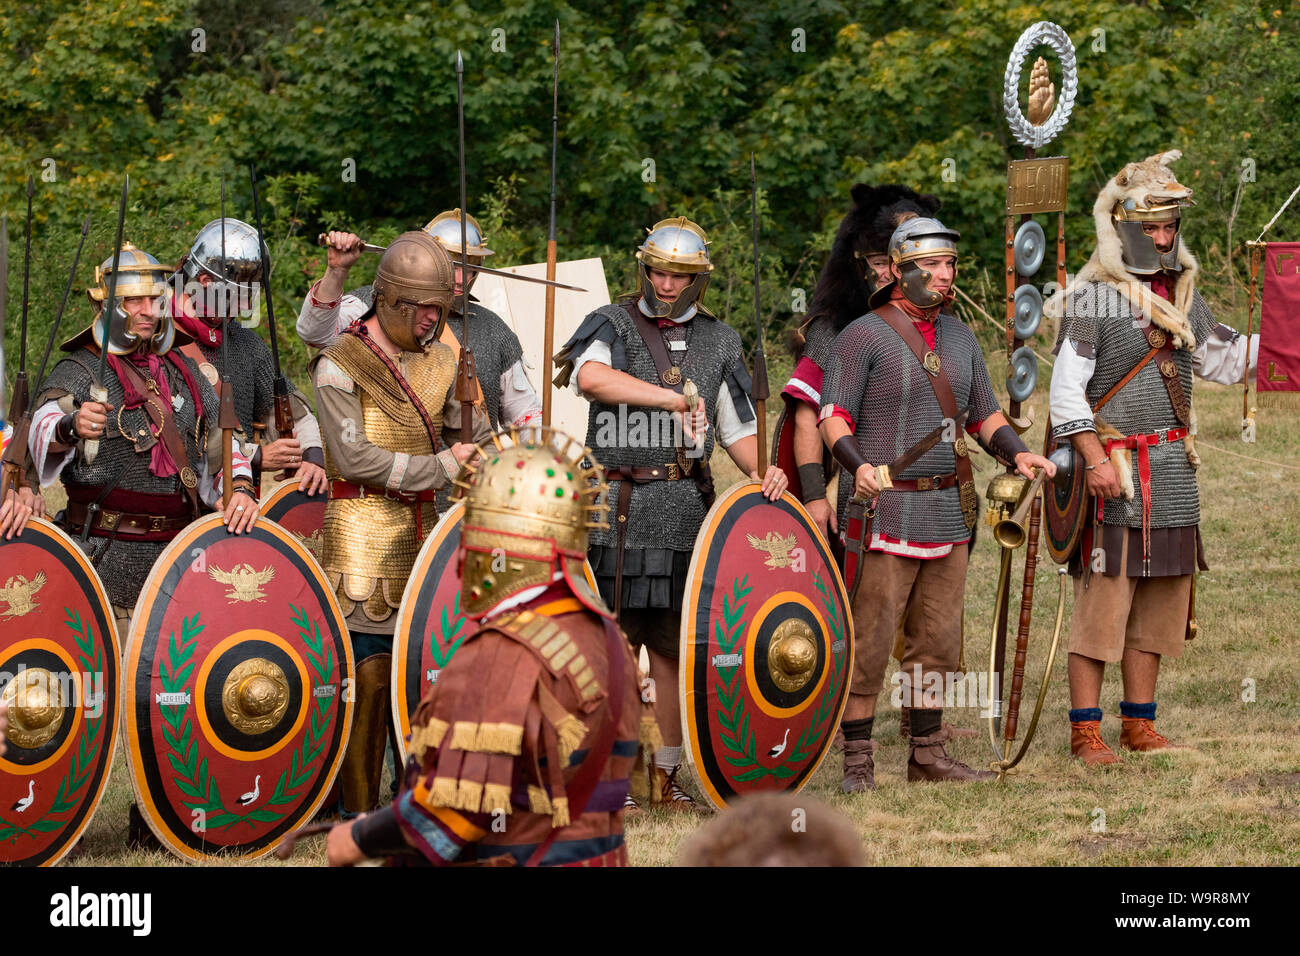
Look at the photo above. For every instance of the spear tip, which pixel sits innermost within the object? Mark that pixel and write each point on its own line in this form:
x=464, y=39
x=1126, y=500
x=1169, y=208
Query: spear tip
x=31, y=186
x=85, y=226
x=460, y=63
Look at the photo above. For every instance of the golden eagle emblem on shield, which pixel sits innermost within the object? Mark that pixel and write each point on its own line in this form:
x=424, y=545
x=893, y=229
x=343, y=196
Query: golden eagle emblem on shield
x=776, y=547
x=18, y=593
x=244, y=582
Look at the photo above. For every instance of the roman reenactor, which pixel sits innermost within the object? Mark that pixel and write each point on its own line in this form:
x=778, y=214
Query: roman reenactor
x=385, y=393
x=201, y=310
x=634, y=361
x=508, y=396
x=158, y=464
x=906, y=373
x=520, y=753
x=1134, y=332
x=858, y=264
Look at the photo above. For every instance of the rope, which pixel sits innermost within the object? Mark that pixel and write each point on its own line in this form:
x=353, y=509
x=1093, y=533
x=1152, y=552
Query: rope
x=1263, y=461
x=1278, y=213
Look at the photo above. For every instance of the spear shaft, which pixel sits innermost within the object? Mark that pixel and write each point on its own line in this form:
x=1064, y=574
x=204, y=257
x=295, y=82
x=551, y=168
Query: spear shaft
x=283, y=410
x=761, y=390
x=548, y=345
x=466, y=386
x=226, y=418
x=98, y=391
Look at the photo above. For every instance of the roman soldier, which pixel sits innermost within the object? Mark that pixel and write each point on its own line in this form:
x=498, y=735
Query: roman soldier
x=159, y=457
x=201, y=310
x=894, y=375
x=508, y=396
x=633, y=361
x=385, y=392
x=857, y=265
x=522, y=750
x=1134, y=332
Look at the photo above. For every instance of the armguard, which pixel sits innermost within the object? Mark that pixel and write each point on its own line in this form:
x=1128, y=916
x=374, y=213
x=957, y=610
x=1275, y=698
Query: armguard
x=1004, y=444
x=378, y=834
x=812, y=482
x=847, y=453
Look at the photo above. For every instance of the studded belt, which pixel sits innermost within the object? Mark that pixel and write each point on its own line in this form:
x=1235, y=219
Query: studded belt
x=643, y=473
x=931, y=483
x=108, y=523
x=347, y=489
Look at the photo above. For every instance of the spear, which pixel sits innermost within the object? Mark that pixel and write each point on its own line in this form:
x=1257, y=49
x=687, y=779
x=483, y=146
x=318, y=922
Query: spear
x=4, y=305
x=760, y=360
x=19, y=399
x=466, y=376
x=15, y=466
x=226, y=419
x=98, y=393
x=549, y=340
x=283, y=410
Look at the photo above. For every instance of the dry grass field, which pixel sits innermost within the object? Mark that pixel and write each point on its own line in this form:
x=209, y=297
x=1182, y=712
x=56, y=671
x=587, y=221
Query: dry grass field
x=1233, y=799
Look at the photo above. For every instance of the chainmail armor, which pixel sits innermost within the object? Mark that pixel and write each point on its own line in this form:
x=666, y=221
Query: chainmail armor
x=662, y=514
x=252, y=376
x=496, y=349
x=1098, y=316
x=123, y=564
x=818, y=339
x=873, y=375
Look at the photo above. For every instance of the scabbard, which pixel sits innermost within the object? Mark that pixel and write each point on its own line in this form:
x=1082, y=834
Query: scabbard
x=856, y=540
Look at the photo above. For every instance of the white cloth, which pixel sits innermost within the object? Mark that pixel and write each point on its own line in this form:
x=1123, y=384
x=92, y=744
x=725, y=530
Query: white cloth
x=519, y=402
x=730, y=428
x=319, y=323
x=1068, y=396
x=1226, y=362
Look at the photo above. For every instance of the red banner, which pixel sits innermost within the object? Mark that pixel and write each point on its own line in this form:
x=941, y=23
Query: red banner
x=1279, y=320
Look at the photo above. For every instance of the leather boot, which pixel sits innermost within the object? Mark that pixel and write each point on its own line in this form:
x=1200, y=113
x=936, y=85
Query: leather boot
x=1140, y=734
x=859, y=766
x=930, y=761
x=362, y=768
x=1087, y=745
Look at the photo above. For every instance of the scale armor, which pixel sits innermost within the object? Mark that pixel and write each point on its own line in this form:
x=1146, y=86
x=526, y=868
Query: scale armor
x=123, y=564
x=874, y=376
x=1098, y=317
x=370, y=544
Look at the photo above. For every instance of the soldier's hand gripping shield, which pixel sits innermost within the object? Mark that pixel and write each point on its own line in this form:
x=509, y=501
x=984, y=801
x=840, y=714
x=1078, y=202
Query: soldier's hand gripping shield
x=766, y=647
x=239, y=690
x=60, y=683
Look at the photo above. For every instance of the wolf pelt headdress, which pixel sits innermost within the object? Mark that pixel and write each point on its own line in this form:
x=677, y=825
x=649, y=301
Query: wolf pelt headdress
x=841, y=292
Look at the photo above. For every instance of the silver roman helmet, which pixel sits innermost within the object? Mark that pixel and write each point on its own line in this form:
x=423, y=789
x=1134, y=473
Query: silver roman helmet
x=138, y=275
x=445, y=227
x=243, y=275
x=678, y=246
x=1140, y=254
x=918, y=238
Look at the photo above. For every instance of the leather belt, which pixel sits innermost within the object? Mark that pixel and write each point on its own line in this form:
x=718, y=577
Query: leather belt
x=340, y=488
x=931, y=483
x=1161, y=436
x=644, y=473
x=108, y=523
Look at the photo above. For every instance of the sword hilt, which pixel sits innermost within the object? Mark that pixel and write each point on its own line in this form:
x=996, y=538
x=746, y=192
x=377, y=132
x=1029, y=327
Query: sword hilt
x=90, y=451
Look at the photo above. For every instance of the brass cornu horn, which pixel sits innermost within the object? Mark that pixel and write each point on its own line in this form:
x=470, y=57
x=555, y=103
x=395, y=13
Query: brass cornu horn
x=1010, y=532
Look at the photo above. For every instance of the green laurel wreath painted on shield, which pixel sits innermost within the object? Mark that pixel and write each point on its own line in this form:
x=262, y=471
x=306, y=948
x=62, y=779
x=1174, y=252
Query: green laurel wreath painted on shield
x=192, y=776
x=66, y=799
x=737, y=736
x=449, y=625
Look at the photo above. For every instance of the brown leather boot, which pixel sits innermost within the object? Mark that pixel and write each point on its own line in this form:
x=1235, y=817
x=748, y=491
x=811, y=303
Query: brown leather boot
x=1140, y=734
x=1087, y=745
x=859, y=766
x=930, y=761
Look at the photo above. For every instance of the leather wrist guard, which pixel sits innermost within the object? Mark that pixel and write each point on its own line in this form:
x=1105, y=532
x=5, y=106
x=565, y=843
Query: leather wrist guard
x=812, y=482
x=314, y=455
x=377, y=834
x=65, y=432
x=1005, y=444
x=847, y=453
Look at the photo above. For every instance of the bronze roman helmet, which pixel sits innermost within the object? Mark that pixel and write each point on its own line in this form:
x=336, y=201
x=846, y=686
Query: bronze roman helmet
x=138, y=274
x=528, y=508
x=681, y=247
x=414, y=270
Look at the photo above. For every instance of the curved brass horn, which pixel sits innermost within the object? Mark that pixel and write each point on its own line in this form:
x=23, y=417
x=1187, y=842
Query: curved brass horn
x=1010, y=532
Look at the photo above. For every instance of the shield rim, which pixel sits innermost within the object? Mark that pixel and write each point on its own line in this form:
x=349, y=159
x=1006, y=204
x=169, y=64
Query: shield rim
x=53, y=531
x=130, y=659
x=1079, y=489
x=685, y=673
x=448, y=522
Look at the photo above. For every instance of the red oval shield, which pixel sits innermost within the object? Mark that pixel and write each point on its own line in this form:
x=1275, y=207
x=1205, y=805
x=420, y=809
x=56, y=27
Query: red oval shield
x=238, y=697
x=766, y=647
x=302, y=514
x=59, y=678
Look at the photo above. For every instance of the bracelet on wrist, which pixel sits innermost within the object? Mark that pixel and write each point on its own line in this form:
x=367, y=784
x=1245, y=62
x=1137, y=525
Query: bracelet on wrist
x=1104, y=461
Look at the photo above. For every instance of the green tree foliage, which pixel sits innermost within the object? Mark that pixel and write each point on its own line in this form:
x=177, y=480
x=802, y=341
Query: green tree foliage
x=661, y=103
